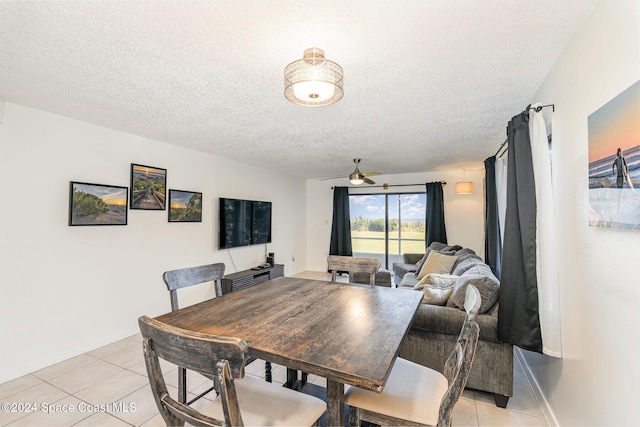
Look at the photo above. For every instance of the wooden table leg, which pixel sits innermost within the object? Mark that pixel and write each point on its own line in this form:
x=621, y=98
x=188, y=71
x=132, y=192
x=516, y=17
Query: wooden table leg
x=292, y=378
x=335, y=403
x=267, y=372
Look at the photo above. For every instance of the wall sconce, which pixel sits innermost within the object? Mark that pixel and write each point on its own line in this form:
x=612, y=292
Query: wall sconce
x=464, y=187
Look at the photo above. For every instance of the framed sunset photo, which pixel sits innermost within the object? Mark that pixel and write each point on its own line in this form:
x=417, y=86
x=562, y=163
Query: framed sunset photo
x=185, y=206
x=148, y=187
x=97, y=204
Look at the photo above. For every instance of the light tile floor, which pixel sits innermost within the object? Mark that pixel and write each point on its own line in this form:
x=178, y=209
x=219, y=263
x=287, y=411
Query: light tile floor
x=109, y=387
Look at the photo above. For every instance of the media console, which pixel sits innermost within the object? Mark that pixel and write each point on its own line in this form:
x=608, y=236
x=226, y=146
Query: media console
x=248, y=278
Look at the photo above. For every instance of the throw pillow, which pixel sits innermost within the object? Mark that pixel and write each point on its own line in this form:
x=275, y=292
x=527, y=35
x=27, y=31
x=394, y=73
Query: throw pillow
x=437, y=288
x=437, y=279
x=437, y=263
x=486, y=282
x=464, y=263
x=420, y=263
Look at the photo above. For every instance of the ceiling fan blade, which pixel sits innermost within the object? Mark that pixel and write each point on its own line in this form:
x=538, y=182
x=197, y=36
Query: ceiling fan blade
x=326, y=179
x=368, y=181
x=371, y=173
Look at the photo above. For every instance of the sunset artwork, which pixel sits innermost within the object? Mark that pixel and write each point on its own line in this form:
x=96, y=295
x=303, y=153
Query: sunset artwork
x=96, y=204
x=148, y=187
x=614, y=162
x=185, y=206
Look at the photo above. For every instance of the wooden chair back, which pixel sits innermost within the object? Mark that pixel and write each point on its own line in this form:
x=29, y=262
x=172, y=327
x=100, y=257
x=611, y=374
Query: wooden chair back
x=184, y=277
x=222, y=358
x=458, y=364
x=353, y=265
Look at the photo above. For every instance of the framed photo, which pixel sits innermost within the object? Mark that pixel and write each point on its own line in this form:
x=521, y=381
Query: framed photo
x=148, y=188
x=614, y=162
x=185, y=206
x=97, y=204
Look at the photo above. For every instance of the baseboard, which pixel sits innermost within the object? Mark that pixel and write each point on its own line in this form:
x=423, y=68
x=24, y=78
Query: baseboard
x=544, y=404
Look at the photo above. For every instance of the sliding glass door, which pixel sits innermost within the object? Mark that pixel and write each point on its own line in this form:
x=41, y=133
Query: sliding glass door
x=386, y=226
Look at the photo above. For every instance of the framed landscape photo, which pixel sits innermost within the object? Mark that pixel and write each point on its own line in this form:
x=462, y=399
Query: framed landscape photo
x=185, y=206
x=148, y=187
x=97, y=204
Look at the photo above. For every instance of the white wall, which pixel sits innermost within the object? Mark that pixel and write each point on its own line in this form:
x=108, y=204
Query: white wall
x=67, y=290
x=596, y=381
x=464, y=214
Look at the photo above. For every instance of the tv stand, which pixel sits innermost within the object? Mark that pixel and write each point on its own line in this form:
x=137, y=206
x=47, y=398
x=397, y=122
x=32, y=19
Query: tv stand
x=247, y=278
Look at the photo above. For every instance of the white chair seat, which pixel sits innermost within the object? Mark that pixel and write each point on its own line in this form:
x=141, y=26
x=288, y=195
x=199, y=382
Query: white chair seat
x=265, y=404
x=413, y=392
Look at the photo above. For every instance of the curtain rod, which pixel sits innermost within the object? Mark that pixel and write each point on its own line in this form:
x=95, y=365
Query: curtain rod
x=385, y=186
x=537, y=109
x=502, y=145
x=540, y=107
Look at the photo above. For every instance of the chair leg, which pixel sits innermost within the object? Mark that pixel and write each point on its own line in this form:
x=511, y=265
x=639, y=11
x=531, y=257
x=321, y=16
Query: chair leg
x=354, y=417
x=182, y=385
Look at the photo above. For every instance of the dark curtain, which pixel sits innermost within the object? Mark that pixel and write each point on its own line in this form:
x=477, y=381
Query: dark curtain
x=492, y=240
x=518, y=320
x=341, y=227
x=436, y=231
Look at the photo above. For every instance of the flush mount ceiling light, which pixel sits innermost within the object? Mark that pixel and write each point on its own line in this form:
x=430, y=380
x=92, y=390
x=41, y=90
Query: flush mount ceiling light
x=313, y=80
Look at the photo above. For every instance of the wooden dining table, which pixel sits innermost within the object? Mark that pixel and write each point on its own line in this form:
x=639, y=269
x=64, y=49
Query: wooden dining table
x=346, y=333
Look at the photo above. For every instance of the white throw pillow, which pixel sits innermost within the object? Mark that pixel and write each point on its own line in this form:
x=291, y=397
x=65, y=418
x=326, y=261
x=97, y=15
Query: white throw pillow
x=437, y=263
x=437, y=288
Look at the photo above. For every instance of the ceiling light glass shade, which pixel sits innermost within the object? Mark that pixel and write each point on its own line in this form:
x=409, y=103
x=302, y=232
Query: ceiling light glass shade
x=356, y=179
x=313, y=80
x=464, y=187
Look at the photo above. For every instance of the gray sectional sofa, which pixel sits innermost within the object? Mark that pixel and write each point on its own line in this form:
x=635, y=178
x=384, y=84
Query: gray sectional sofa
x=435, y=328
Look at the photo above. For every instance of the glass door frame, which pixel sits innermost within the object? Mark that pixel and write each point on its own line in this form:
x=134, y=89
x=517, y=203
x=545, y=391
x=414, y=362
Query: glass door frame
x=386, y=219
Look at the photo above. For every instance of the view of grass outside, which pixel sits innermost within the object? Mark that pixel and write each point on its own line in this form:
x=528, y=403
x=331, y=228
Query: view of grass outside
x=406, y=224
x=373, y=242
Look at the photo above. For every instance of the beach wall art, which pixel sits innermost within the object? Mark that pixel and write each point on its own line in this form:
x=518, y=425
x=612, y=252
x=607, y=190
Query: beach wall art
x=185, y=206
x=148, y=187
x=97, y=204
x=614, y=162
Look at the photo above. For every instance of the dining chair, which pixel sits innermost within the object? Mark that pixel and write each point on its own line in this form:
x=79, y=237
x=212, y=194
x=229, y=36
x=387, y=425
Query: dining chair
x=242, y=399
x=183, y=278
x=417, y=395
x=353, y=265
x=191, y=276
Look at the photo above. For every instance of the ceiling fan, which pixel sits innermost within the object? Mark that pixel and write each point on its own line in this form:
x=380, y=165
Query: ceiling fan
x=358, y=177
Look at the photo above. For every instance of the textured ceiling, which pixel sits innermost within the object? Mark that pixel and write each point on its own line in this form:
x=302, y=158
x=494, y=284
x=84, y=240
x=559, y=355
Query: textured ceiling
x=428, y=85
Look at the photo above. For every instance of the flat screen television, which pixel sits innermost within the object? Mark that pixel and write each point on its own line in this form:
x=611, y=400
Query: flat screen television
x=243, y=223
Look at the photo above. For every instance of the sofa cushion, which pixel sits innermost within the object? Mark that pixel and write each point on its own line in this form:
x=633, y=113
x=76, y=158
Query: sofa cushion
x=436, y=288
x=465, y=262
x=481, y=277
x=437, y=263
x=400, y=269
x=440, y=247
x=408, y=281
x=449, y=321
